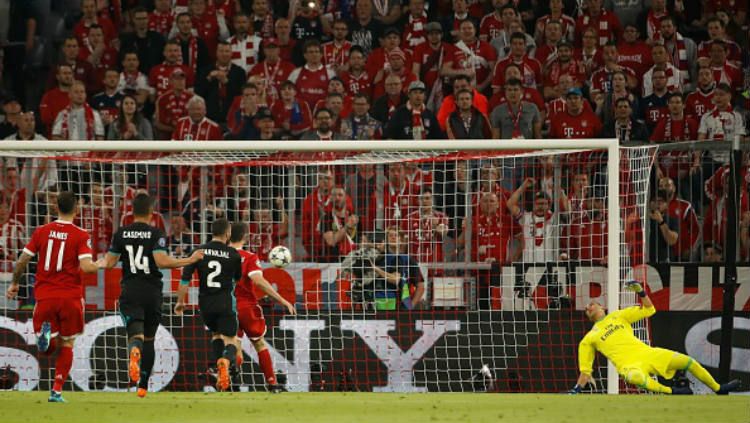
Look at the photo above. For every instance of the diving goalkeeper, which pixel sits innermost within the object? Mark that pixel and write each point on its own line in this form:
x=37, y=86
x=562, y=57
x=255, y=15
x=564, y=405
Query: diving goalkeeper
x=612, y=335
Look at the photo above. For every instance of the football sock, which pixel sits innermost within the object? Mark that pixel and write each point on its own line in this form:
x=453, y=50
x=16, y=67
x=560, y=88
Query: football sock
x=703, y=375
x=230, y=353
x=264, y=357
x=62, y=367
x=217, y=349
x=147, y=363
x=135, y=343
x=684, y=362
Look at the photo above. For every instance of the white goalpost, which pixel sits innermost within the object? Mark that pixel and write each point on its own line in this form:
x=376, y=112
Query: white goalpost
x=483, y=324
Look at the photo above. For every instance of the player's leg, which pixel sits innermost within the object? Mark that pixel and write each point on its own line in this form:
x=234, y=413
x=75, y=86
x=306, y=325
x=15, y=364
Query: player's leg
x=149, y=354
x=46, y=326
x=686, y=363
x=70, y=315
x=227, y=329
x=133, y=314
x=637, y=376
x=253, y=323
x=151, y=325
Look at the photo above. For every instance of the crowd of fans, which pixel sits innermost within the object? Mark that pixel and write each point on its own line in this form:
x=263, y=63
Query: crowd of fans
x=656, y=71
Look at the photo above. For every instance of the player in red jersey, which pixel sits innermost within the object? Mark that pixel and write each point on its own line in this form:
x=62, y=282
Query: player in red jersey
x=249, y=313
x=64, y=250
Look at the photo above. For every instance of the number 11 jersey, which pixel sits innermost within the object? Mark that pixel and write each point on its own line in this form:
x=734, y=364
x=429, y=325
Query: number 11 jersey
x=135, y=245
x=60, y=246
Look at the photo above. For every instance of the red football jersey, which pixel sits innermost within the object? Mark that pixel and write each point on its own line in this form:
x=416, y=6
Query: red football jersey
x=424, y=243
x=274, y=75
x=60, y=245
x=397, y=204
x=205, y=130
x=699, y=103
x=481, y=60
x=161, y=23
x=607, y=25
x=584, y=125
x=491, y=234
x=298, y=116
x=357, y=84
x=312, y=84
x=601, y=79
x=244, y=289
x=430, y=61
x=690, y=228
x=159, y=75
x=636, y=56
x=334, y=55
x=587, y=239
x=490, y=27
x=555, y=70
x=172, y=106
x=81, y=30
x=207, y=27
x=531, y=72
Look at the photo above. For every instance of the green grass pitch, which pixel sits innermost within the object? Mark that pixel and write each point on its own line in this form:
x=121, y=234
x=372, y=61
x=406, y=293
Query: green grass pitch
x=370, y=407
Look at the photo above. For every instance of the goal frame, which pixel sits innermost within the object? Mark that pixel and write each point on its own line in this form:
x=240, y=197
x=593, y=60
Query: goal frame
x=611, y=145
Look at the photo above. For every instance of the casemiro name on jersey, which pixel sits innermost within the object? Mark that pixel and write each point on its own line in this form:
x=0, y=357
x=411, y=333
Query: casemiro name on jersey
x=136, y=234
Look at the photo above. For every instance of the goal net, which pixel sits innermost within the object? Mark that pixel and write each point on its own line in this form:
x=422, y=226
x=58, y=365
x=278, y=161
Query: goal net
x=413, y=270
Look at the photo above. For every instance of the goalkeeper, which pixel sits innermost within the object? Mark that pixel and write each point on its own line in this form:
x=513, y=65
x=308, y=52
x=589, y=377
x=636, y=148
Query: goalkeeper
x=612, y=335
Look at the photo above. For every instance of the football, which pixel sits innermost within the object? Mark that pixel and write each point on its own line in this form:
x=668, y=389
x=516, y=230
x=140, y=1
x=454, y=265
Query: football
x=280, y=256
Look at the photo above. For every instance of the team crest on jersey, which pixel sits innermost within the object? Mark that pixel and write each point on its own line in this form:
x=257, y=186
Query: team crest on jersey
x=162, y=242
x=584, y=123
x=322, y=77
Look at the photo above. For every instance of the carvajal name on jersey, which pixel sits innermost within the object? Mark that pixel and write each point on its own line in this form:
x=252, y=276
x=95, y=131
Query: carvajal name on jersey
x=58, y=235
x=136, y=234
x=216, y=253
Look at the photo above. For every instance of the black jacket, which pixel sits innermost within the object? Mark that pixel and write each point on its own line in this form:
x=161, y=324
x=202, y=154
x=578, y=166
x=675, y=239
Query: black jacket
x=380, y=108
x=217, y=107
x=150, y=50
x=399, y=126
x=638, y=131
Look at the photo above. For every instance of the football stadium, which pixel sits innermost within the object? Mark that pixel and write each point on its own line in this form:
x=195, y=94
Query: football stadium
x=415, y=210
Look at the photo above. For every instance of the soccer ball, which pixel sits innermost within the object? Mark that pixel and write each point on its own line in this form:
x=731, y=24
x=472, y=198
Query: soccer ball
x=280, y=256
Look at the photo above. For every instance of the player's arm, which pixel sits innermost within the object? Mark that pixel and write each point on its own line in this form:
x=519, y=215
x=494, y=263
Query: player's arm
x=87, y=265
x=108, y=261
x=514, y=199
x=392, y=278
x=166, y=261
x=586, y=354
x=18, y=272
x=636, y=313
x=262, y=283
x=187, y=276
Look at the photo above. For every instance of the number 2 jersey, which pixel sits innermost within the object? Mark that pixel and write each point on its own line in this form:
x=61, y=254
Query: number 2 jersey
x=244, y=291
x=135, y=245
x=60, y=246
x=218, y=271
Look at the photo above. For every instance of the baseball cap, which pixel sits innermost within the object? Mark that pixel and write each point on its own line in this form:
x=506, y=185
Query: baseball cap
x=270, y=42
x=564, y=43
x=391, y=30
x=263, y=113
x=574, y=91
x=417, y=85
x=433, y=27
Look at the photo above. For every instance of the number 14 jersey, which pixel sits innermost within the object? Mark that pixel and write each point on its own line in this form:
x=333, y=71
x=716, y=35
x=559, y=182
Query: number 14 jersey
x=136, y=244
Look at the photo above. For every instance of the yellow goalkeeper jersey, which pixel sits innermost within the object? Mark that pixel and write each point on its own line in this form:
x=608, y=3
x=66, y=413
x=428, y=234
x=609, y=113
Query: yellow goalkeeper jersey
x=613, y=337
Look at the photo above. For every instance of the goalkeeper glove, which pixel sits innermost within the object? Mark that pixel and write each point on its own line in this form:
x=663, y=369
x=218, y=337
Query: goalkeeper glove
x=636, y=287
x=575, y=390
